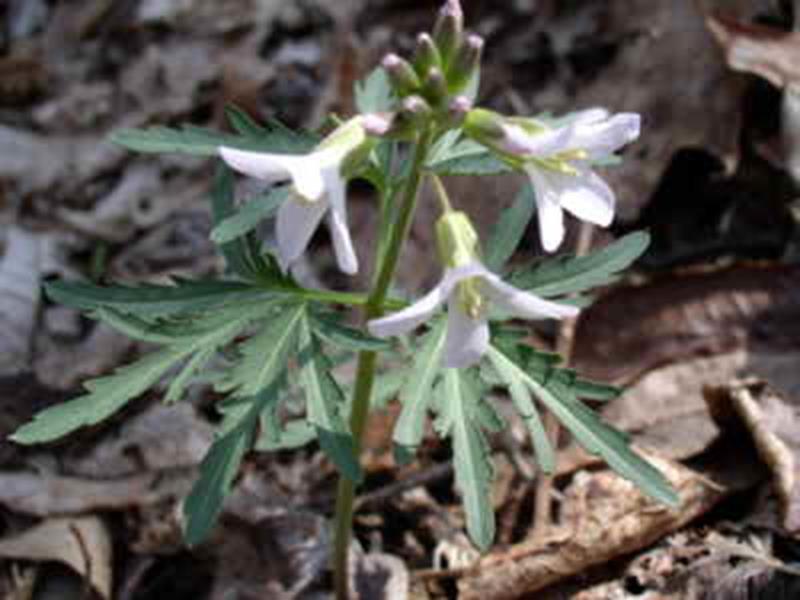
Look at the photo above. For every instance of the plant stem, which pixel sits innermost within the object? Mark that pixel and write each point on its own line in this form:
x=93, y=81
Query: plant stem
x=365, y=372
x=542, y=509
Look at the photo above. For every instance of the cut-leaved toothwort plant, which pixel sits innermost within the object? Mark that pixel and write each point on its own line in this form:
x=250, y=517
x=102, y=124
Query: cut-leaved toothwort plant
x=268, y=334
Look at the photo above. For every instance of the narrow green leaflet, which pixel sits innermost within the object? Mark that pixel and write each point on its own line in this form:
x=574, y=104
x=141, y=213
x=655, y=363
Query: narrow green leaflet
x=151, y=301
x=521, y=397
x=330, y=330
x=106, y=396
x=242, y=123
x=374, y=94
x=200, y=141
x=416, y=394
x=595, y=435
x=221, y=464
x=565, y=275
x=249, y=215
x=241, y=254
x=467, y=157
x=325, y=404
x=510, y=229
x=265, y=355
x=462, y=417
x=109, y=394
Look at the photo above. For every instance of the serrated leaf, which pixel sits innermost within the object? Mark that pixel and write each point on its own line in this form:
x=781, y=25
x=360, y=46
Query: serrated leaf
x=294, y=434
x=416, y=394
x=325, y=404
x=221, y=464
x=249, y=215
x=592, y=433
x=510, y=229
x=109, y=394
x=242, y=123
x=467, y=157
x=333, y=332
x=265, y=354
x=151, y=301
x=106, y=396
x=521, y=397
x=471, y=453
x=241, y=254
x=565, y=275
x=200, y=141
x=374, y=94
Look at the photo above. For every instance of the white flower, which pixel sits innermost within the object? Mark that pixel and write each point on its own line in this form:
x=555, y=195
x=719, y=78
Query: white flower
x=466, y=289
x=318, y=189
x=558, y=162
x=466, y=286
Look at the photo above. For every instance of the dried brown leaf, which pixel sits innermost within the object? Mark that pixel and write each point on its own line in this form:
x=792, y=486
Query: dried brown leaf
x=83, y=543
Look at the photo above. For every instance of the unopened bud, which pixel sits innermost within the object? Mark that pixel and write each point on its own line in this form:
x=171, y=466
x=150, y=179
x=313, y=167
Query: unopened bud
x=377, y=124
x=456, y=239
x=401, y=75
x=485, y=126
x=426, y=56
x=457, y=110
x=435, y=86
x=448, y=29
x=466, y=63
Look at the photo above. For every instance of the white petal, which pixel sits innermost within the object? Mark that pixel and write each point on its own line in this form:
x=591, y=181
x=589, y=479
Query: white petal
x=523, y=304
x=337, y=222
x=270, y=167
x=549, y=213
x=587, y=197
x=296, y=223
x=407, y=319
x=467, y=338
x=603, y=138
x=307, y=176
x=589, y=115
x=521, y=143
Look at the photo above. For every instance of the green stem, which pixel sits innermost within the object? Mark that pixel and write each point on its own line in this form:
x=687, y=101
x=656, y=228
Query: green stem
x=365, y=373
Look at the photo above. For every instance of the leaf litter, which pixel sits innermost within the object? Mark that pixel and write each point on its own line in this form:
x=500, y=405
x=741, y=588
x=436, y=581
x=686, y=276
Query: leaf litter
x=80, y=79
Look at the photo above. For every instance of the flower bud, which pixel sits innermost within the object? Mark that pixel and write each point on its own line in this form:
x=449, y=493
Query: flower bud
x=456, y=239
x=466, y=63
x=401, y=75
x=448, y=30
x=457, y=111
x=426, y=56
x=435, y=86
x=377, y=124
x=485, y=126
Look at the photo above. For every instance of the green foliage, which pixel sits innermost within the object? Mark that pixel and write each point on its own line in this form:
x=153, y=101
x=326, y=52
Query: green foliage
x=460, y=156
x=109, y=394
x=416, y=394
x=247, y=218
x=325, y=405
x=221, y=464
x=152, y=301
x=566, y=274
x=517, y=364
x=374, y=94
x=462, y=416
x=510, y=229
x=200, y=141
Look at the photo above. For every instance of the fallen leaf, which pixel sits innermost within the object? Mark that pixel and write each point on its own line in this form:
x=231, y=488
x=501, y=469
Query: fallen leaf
x=20, y=275
x=774, y=424
x=83, y=543
x=377, y=576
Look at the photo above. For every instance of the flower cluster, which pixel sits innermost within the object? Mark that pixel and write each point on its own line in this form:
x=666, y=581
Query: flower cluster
x=436, y=88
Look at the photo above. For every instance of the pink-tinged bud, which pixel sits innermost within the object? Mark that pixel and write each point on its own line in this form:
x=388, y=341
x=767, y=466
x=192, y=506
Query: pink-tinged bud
x=377, y=124
x=448, y=30
x=466, y=63
x=426, y=56
x=457, y=110
x=401, y=75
